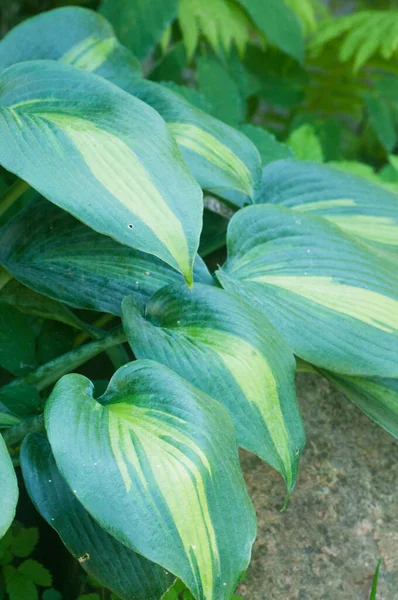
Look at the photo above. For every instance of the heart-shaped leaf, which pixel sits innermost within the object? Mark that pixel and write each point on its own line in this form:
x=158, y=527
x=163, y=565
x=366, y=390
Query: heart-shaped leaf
x=8, y=487
x=101, y=154
x=231, y=352
x=332, y=298
x=50, y=251
x=121, y=570
x=171, y=485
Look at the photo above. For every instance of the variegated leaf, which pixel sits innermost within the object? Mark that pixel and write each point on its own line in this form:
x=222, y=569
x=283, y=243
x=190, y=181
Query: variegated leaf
x=171, y=485
x=222, y=159
x=101, y=154
x=331, y=297
x=231, y=352
x=8, y=487
x=360, y=207
x=106, y=560
x=53, y=253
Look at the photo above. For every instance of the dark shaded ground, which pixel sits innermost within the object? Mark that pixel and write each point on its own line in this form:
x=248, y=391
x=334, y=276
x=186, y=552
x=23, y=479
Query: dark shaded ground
x=342, y=516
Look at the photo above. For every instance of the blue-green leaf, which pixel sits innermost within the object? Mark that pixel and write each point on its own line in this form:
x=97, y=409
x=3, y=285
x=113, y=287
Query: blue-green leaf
x=101, y=154
x=167, y=457
x=8, y=487
x=331, y=297
x=231, y=352
x=121, y=570
x=50, y=251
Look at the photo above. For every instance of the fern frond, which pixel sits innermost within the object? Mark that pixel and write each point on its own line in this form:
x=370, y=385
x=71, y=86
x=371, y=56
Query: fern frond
x=364, y=34
x=221, y=22
x=308, y=11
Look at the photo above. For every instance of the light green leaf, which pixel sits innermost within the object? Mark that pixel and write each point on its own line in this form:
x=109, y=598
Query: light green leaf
x=232, y=353
x=139, y=25
x=305, y=143
x=18, y=586
x=35, y=571
x=17, y=341
x=221, y=90
x=267, y=144
x=358, y=206
x=115, y=153
x=9, y=489
x=221, y=159
x=110, y=563
x=47, y=249
x=168, y=460
x=377, y=397
x=278, y=23
x=333, y=299
x=7, y=419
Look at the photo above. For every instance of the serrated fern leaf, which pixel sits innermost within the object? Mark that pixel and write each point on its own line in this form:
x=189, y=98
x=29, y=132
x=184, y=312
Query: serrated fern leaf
x=308, y=11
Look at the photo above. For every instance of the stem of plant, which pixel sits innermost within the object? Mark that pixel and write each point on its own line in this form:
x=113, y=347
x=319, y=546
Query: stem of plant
x=14, y=192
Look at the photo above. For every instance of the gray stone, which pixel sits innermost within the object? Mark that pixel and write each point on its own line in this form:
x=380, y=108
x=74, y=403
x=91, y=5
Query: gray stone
x=342, y=516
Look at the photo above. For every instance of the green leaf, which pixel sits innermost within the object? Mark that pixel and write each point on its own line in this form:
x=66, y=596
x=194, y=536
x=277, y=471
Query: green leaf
x=168, y=460
x=115, y=152
x=53, y=340
x=36, y=248
x=221, y=90
x=110, y=563
x=51, y=594
x=382, y=120
x=305, y=143
x=24, y=540
x=21, y=399
x=220, y=158
x=233, y=354
x=376, y=397
x=332, y=299
x=139, y=24
x=358, y=206
x=7, y=419
x=89, y=597
x=35, y=571
x=373, y=594
x=214, y=232
x=267, y=144
x=278, y=23
x=17, y=341
x=18, y=586
x=9, y=489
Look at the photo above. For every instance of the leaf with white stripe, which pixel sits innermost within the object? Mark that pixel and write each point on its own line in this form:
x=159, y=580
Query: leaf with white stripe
x=53, y=253
x=8, y=487
x=358, y=206
x=171, y=484
x=102, y=155
x=332, y=298
x=231, y=352
x=124, y=572
x=221, y=158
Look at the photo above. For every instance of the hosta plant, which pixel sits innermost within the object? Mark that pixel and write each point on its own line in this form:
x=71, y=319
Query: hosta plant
x=104, y=237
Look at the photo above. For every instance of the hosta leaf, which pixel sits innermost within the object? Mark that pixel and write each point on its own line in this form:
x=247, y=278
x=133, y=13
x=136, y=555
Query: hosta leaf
x=232, y=353
x=17, y=341
x=121, y=570
x=167, y=458
x=47, y=249
x=358, y=206
x=21, y=400
x=221, y=159
x=377, y=397
x=139, y=24
x=332, y=299
x=8, y=487
x=102, y=155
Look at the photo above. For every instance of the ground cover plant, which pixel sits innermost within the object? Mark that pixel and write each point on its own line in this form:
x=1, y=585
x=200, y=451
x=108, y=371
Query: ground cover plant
x=198, y=200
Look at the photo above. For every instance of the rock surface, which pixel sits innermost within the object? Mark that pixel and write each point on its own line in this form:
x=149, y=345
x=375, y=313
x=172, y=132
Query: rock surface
x=342, y=516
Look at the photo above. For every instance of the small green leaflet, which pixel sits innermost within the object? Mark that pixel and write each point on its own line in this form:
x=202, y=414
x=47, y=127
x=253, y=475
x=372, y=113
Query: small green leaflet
x=139, y=24
x=358, y=206
x=101, y=154
x=168, y=461
x=376, y=397
x=121, y=570
x=47, y=249
x=8, y=487
x=17, y=341
x=221, y=159
x=232, y=353
x=332, y=299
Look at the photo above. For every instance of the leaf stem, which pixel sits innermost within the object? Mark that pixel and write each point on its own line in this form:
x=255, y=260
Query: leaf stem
x=14, y=192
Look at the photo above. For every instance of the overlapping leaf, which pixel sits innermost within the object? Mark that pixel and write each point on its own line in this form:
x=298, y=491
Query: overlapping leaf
x=167, y=457
x=232, y=353
x=101, y=154
x=121, y=570
x=8, y=487
x=222, y=159
x=358, y=206
x=332, y=299
x=50, y=251
x=17, y=341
